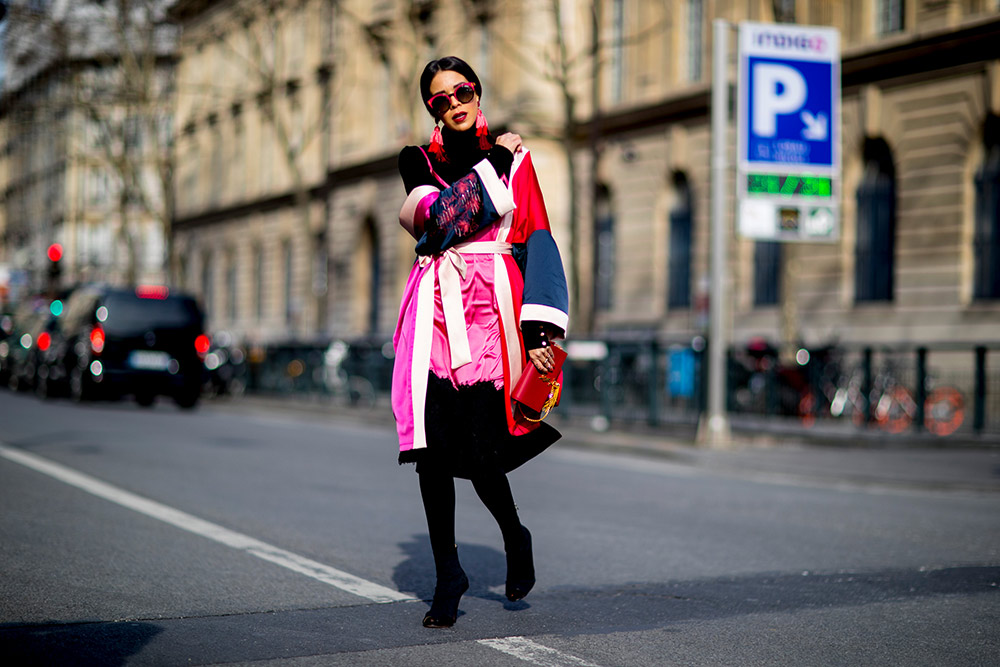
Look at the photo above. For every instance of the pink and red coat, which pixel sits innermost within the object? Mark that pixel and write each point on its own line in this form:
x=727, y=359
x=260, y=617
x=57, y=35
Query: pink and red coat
x=463, y=304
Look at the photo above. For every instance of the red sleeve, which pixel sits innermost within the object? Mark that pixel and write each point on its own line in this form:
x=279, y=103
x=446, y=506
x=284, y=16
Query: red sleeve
x=530, y=214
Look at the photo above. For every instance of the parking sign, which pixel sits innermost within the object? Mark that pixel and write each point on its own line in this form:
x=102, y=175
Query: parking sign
x=788, y=132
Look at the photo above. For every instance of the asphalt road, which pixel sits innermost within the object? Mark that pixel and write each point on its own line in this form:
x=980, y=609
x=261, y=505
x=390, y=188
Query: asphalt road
x=161, y=537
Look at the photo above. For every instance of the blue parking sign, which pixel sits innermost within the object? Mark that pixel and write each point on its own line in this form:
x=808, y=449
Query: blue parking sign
x=789, y=98
x=790, y=113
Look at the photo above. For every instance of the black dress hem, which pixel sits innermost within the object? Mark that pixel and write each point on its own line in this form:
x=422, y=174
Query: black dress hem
x=467, y=432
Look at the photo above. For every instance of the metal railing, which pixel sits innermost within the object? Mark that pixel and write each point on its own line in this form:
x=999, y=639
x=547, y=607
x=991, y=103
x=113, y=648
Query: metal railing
x=943, y=391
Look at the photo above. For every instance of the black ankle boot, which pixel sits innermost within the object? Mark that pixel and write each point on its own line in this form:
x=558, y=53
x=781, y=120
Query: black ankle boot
x=451, y=585
x=520, y=568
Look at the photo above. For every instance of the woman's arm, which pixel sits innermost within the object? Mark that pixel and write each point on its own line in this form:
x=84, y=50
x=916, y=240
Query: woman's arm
x=545, y=299
x=441, y=217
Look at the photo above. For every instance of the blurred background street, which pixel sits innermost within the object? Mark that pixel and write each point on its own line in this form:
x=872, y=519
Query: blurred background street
x=759, y=555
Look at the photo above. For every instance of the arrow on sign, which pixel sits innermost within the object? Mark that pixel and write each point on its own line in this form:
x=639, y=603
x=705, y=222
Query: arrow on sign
x=816, y=126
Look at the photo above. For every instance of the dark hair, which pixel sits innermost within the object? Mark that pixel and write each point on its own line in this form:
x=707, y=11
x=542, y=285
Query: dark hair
x=446, y=64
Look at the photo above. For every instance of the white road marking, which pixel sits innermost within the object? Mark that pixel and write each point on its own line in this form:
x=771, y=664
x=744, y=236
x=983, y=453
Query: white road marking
x=536, y=654
x=192, y=524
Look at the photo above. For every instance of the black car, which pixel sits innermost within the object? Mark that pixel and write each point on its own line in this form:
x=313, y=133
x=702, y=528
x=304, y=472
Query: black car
x=6, y=341
x=145, y=342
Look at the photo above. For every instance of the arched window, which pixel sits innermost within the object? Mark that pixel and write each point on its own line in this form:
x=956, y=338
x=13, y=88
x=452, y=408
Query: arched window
x=231, y=300
x=681, y=223
x=767, y=273
x=604, y=248
x=207, y=284
x=874, y=254
x=288, y=282
x=258, y=282
x=370, y=250
x=987, y=225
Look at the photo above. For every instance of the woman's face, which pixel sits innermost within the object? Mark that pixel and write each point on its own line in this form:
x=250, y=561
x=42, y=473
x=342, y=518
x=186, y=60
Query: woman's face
x=458, y=117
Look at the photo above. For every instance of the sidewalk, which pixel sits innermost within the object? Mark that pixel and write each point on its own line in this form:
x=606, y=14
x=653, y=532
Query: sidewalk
x=865, y=463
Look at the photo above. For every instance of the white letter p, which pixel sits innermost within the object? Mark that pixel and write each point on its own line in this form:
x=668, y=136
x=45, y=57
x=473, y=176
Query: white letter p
x=768, y=102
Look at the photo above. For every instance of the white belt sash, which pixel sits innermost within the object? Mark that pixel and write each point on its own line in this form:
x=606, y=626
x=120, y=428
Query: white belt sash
x=450, y=272
x=451, y=268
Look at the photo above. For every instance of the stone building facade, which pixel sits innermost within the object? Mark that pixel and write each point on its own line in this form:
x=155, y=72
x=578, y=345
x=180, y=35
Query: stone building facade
x=290, y=115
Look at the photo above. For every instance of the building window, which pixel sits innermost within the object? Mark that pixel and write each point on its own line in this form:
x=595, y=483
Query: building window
x=258, y=288
x=231, y=287
x=876, y=225
x=767, y=273
x=695, y=17
x=889, y=17
x=207, y=288
x=375, y=275
x=681, y=223
x=217, y=159
x=617, y=50
x=485, y=68
x=987, y=225
x=604, y=248
x=784, y=11
x=236, y=171
x=286, y=248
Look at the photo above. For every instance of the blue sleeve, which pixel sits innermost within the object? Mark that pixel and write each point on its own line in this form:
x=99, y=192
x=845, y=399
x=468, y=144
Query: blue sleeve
x=546, y=297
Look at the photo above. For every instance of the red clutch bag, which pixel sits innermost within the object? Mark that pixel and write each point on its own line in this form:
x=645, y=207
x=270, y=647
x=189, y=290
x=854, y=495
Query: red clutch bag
x=537, y=392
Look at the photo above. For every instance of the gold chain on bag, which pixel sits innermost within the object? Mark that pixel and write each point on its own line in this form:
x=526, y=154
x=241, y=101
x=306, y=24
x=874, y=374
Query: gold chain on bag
x=551, y=399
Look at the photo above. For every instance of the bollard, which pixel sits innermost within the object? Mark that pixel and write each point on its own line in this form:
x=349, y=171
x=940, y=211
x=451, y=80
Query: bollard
x=653, y=391
x=979, y=399
x=866, y=384
x=607, y=368
x=921, y=389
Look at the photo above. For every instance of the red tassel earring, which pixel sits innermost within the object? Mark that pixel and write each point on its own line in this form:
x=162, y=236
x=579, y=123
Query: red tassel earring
x=437, y=144
x=482, y=131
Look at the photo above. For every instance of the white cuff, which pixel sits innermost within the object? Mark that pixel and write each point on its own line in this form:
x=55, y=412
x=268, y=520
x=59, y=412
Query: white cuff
x=498, y=193
x=539, y=313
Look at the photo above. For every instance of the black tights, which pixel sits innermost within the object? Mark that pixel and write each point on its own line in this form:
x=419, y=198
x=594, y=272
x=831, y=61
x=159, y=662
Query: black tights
x=438, y=493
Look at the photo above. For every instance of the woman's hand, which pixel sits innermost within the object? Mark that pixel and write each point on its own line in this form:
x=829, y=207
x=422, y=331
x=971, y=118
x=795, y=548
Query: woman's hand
x=510, y=141
x=543, y=358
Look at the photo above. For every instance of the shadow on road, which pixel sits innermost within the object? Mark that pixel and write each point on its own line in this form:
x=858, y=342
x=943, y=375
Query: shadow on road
x=561, y=611
x=486, y=568
x=105, y=644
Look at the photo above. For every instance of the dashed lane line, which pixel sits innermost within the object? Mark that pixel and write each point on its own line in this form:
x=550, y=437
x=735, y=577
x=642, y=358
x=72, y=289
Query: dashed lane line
x=534, y=653
x=192, y=524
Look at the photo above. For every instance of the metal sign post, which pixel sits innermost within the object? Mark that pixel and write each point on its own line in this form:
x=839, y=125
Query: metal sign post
x=788, y=132
x=714, y=429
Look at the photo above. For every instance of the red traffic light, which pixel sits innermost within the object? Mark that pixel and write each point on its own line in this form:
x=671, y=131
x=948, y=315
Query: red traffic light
x=55, y=252
x=202, y=344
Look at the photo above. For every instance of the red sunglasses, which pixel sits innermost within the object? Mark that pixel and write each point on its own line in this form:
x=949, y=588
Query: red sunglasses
x=464, y=93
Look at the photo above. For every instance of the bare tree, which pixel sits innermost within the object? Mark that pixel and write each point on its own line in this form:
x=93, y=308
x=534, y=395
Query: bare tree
x=571, y=65
x=111, y=66
x=258, y=42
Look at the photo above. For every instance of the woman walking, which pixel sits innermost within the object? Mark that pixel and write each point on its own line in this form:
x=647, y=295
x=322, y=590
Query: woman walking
x=486, y=296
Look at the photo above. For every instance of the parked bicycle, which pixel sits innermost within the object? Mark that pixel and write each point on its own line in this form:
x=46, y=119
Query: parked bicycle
x=889, y=405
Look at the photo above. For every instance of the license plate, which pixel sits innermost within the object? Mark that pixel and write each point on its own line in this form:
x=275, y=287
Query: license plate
x=148, y=360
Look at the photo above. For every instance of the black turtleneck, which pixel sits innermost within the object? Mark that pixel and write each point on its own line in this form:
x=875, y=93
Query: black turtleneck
x=463, y=153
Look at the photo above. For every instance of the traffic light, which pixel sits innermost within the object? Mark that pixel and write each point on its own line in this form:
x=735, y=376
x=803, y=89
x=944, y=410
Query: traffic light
x=55, y=254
